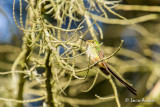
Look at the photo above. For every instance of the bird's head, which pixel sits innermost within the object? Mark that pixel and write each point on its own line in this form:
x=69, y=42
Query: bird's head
x=92, y=42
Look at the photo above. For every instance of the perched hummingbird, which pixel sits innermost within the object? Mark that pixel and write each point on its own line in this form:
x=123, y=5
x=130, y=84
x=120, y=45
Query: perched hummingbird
x=94, y=54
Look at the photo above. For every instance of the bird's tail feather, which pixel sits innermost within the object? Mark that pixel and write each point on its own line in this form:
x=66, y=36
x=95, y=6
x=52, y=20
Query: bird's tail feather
x=109, y=70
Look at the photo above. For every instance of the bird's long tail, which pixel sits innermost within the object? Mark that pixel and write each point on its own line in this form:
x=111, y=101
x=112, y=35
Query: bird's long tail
x=108, y=70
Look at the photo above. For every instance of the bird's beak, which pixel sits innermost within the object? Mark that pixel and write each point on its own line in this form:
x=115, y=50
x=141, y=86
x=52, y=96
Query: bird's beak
x=82, y=39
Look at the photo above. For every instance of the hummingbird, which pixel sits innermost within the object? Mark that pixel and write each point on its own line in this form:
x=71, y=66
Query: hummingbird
x=94, y=54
